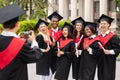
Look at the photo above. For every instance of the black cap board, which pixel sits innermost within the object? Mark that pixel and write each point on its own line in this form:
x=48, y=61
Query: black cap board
x=78, y=20
x=105, y=18
x=40, y=22
x=55, y=15
x=10, y=12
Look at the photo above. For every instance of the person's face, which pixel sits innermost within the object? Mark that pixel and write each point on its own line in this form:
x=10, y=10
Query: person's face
x=43, y=28
x=104, y=26
x=78, y=27
x=54, y=22
x=88, y=32
x=65, y=32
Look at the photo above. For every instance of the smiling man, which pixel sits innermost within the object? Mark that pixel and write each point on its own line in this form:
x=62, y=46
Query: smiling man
x=111, y=43
x=55, y=33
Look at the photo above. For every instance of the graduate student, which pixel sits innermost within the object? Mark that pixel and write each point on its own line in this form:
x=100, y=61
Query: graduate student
x=65, y=53
x=55, y=33
x=78, y=36
x=111, y=44
x=90, y=53
x=44, y=41
x=15, y=53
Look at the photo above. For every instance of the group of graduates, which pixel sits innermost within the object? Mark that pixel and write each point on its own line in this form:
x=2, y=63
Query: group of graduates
x=55, y=49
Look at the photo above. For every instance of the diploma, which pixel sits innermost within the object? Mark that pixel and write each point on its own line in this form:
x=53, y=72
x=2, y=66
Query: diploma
x=48, y=43
x=53, y=36
x=81, y=37
x=79, y=41
x=76, y=45
x=101, y=46
x=58, y=46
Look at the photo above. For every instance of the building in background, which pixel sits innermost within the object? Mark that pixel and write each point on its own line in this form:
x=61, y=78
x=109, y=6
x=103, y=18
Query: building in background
x=90, y=10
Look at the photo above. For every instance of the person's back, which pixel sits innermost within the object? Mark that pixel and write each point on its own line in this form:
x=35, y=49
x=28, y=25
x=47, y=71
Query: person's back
x=17, y=69
x=15, y=53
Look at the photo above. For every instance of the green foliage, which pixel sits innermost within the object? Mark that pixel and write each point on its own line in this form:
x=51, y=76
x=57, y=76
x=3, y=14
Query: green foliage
x=117, y=5
x=61, y=23
x=1, y=28
x=118, y=2
x=27, y=25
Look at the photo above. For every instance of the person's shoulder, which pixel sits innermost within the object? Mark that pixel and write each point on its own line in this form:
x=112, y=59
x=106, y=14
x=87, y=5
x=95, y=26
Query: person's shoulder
x=39, y=36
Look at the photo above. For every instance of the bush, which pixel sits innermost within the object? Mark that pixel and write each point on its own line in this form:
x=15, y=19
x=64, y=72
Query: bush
x=27, y=25
x=61, y=23
x=1, y=28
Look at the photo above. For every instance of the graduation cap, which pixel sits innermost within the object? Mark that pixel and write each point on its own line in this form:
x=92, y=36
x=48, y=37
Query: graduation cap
x=92, y=26
x=10, y=12
x=40, y=22
x=78, y=20
x=67, y=25
x=105, y=18
x=55, y=15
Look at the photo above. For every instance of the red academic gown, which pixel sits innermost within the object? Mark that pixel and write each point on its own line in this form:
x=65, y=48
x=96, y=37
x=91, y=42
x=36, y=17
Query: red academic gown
x=43, y=64
x=76, y=60
x=64, y=62
x=55, y=38
x=88, y=61
x=108, y=62
x=14, y=56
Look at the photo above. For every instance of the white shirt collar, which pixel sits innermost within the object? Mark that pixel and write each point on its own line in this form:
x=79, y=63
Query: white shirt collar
x=93, y=36
x=55, y=30
x=7, y=33
x=104, y=34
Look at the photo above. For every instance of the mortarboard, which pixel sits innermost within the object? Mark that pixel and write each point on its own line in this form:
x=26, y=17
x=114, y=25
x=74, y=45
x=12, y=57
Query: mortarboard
x=10, y=12
x=40, y=22
x=78, y=20
x=55, y=15
x=105, y=18
x=67, y=25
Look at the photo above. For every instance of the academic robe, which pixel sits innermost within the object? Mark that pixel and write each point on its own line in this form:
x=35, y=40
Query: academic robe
x=43, y=64
x=17, y=68
x=107, y=67
x=89, y=61
x=56, y=35
x=64, y=62
x=55, y=38
x=76, y=60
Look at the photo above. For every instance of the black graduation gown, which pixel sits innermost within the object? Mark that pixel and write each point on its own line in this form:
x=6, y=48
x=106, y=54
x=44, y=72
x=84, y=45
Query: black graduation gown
x=76, y=62
x=108, y=62
x=43, y=64
x=64, y=62
x=54, y=49
x=89, y=62
x=17, y=68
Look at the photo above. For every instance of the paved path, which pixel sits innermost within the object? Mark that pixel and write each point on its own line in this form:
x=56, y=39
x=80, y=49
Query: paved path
x=33, y=76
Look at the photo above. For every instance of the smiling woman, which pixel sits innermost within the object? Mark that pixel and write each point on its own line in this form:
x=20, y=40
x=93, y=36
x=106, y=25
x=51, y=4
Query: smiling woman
x=44, y=40
x=65, y=53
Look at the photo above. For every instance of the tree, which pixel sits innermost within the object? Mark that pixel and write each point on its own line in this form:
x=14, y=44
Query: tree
x=117, y=5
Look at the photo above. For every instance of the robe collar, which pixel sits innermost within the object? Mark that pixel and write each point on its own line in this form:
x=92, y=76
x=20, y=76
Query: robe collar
x=8, y=33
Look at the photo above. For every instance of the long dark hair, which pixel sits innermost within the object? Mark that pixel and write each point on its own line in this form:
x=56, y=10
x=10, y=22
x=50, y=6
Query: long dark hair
x=75, y=32
x=69, y=33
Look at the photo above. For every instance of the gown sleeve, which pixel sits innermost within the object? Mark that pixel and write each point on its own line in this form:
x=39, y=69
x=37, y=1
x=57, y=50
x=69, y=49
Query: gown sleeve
x=69, y=52
x=96, y=50
x=115, y=44
x=28, y=54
